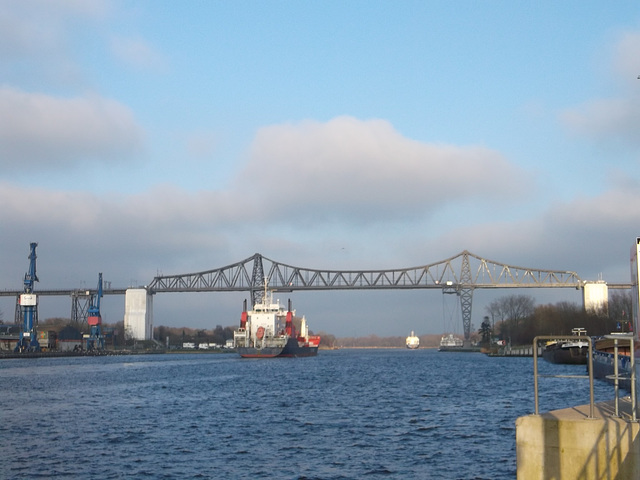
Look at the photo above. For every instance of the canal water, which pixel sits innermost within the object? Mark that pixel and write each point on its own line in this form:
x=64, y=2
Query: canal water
x=345, y=414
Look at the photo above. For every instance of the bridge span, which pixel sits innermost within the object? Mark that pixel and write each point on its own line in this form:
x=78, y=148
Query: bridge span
x=461, y=275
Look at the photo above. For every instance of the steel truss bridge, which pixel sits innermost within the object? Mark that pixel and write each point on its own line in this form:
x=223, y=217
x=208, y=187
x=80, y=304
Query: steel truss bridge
x=460, y=275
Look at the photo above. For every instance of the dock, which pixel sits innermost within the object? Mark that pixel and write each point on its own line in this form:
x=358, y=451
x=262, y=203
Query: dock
x=597, y=440
x=568, y=444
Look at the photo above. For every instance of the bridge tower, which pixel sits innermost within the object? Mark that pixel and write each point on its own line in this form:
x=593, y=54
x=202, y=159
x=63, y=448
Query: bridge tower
x=257, y=280
x=80, y=302
x=466, y=295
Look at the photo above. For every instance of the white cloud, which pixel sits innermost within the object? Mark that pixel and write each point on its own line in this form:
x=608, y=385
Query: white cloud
x=51, y=132
x=131, y=237
x=38, y=27
x=166, y=224
x=613, y=119
x=588, y=235
x=626, y=57
x=606, y=120
x=36, y=38
x=350, y=168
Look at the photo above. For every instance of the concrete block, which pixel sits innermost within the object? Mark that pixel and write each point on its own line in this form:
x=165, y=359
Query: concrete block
x=567, y=444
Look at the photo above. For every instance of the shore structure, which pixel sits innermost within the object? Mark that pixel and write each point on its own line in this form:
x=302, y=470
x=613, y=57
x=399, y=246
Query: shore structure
x=569, y=444
x=587, y=441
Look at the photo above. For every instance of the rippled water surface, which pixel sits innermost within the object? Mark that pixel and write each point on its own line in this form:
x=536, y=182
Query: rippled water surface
x=345, y=414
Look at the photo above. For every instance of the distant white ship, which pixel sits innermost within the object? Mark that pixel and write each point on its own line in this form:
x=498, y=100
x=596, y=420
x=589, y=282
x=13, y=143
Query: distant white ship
x=450, y=341
x=413, y=341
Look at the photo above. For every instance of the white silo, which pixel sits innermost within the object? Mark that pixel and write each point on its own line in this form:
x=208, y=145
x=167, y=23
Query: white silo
x=138, y=314
x=595, y=296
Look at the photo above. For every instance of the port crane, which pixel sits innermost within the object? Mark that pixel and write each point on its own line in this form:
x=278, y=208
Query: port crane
x=28, y=302
x=95, y=341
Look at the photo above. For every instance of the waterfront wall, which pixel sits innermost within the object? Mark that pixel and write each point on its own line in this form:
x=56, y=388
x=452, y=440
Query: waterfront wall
x=567, y=444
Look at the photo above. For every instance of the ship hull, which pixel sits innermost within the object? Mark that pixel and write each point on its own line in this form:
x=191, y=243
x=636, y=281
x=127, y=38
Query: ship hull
x=566, y=356
x=445, y=348
x=604, y=362
x=291, y=349
x=604, y=368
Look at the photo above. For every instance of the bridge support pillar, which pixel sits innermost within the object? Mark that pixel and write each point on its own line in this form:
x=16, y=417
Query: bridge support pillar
x=138, y=314
x=79, y=307
x=466, y=298
x=257, y=281
x=466, y=295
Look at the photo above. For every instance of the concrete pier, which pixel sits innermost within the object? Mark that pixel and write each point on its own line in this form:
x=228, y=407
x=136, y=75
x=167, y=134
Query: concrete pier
x=567, y=444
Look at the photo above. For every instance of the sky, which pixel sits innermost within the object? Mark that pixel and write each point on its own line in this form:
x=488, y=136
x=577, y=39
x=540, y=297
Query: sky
x=140, y=138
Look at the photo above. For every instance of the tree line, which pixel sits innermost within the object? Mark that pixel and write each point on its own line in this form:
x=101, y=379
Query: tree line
x=516, y=318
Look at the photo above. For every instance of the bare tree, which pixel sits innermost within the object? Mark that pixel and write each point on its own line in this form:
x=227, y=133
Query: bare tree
x=513, y=307
x=510, y=313
x=518, y=307
x=620, y=308
x=495, y=312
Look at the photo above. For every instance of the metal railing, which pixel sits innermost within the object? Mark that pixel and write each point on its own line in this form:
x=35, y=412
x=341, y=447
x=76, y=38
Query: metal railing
x=616, y=377
x=536, y=375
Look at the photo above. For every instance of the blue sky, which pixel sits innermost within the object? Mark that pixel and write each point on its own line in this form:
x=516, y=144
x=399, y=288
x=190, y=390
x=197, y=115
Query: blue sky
x=164, y=136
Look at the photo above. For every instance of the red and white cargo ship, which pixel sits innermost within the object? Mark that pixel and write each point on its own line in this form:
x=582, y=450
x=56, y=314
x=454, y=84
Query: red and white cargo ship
x=271, y=330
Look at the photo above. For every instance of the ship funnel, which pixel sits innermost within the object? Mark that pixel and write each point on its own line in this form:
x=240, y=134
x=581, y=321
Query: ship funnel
x=288, y=326
x=243, y=316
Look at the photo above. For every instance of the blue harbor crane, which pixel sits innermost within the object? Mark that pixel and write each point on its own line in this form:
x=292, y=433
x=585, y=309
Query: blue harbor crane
x=95, y=341
x=29, y=308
